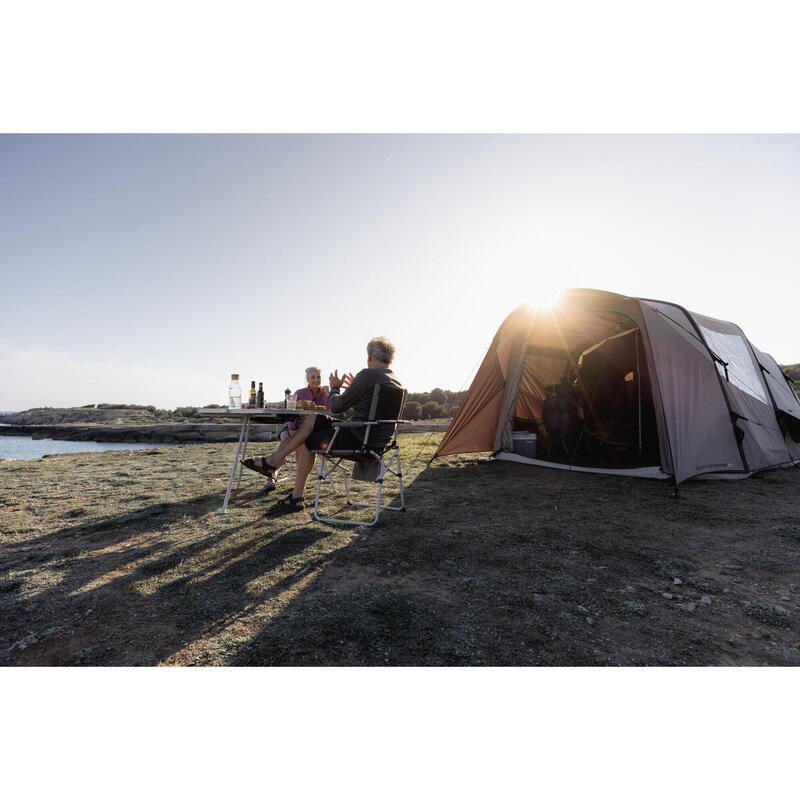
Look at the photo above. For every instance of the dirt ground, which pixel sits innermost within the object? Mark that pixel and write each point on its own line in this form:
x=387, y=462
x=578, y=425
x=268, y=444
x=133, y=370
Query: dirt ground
x=120, y=558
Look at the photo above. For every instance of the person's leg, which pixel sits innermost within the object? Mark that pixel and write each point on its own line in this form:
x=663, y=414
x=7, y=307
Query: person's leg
x=272, y=480
x=285, y=436
x=305, y=463
x=289, y=445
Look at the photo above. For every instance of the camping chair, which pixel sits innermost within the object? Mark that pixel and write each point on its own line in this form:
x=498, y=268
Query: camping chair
x=370, y=458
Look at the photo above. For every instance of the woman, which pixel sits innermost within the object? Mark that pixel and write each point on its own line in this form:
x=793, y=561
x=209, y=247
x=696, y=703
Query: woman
x=315, y=392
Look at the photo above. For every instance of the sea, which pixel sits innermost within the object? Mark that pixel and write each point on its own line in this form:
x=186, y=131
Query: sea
x=26, y=448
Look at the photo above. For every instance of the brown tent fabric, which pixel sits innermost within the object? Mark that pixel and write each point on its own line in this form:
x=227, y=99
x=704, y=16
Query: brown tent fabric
x=683, y=392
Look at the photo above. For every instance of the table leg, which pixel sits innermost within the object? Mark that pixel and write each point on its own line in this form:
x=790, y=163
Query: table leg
x=244, y=452
x=245, y=423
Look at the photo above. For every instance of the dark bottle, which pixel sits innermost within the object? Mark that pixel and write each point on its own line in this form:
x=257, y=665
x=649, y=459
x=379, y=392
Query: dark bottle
x=252, y=401
x=260, y=395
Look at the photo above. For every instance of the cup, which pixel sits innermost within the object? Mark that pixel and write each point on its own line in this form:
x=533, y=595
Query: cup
x=291, y=404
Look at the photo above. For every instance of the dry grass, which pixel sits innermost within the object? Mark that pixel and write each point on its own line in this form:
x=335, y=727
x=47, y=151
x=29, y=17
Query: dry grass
x=120, y=558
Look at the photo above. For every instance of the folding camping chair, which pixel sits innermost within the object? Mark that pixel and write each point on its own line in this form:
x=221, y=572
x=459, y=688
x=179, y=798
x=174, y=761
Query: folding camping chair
x=371, y=462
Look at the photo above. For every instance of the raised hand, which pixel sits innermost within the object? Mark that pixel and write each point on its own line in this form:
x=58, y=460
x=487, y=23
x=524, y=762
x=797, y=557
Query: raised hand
x=347, y=379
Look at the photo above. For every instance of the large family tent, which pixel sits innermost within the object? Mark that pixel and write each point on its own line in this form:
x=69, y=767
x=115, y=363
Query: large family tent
x=608, y=383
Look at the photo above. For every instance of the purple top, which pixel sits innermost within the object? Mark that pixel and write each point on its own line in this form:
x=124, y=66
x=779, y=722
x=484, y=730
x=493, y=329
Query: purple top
x=305, y=394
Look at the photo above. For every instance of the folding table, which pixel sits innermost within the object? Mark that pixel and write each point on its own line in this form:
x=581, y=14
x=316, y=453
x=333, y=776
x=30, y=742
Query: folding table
x=277, y=416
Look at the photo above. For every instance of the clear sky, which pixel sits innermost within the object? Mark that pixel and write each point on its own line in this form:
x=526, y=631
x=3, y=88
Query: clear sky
x=146, y=269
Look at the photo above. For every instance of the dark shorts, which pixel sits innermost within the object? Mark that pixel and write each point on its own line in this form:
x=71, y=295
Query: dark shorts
x=322, y=433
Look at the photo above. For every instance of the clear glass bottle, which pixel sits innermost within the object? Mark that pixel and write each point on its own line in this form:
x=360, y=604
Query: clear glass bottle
x=234, y=392
x=286, y=393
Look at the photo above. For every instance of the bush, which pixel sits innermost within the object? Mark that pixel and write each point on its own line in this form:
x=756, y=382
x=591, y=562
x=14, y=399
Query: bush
x=432, y=410
x=412, y=410
x=438, y=396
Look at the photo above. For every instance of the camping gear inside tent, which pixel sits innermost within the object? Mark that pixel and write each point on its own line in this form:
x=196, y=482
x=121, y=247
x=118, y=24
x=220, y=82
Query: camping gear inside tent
x=629, y=386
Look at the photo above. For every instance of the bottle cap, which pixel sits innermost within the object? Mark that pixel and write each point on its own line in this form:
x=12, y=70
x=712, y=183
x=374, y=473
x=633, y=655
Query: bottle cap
x=234, y=376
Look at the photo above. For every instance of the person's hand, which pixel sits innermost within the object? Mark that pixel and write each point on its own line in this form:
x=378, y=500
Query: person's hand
x=336, y=382
x=326, y=389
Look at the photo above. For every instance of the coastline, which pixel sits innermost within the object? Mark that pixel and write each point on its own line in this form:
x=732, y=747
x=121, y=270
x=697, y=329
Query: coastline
x=170, y=433
x=166, y=433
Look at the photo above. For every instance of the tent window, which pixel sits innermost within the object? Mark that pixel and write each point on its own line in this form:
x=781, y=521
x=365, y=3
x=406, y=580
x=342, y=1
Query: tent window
x=741, y=371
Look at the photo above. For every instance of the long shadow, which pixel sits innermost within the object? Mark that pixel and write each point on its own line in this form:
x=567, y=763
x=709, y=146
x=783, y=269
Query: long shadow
x=112, y=622
x=480, y=571
x=475, y=572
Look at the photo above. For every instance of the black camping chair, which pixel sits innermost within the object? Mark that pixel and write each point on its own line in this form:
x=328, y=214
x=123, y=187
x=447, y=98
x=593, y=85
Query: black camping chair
x=371, y=464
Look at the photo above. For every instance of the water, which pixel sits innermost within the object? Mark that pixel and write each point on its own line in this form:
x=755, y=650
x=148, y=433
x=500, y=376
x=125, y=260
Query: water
x=27, y=448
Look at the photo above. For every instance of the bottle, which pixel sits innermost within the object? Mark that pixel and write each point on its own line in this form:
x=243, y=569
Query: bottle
x=260, y=395
x=252, y=400
x=286, y=393
x=234, y=392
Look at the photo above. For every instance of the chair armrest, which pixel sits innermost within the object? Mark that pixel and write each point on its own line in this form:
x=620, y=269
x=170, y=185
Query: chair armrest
x=353, y=424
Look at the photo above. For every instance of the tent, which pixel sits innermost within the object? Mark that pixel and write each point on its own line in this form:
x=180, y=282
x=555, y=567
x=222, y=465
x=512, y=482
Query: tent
x=631, y=386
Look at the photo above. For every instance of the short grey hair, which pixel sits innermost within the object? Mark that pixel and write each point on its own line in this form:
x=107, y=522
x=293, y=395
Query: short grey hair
x=309, y=370
x=381, y=349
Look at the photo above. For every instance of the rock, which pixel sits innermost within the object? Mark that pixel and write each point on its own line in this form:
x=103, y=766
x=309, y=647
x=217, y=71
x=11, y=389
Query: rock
x=688, y=606
x=668, y=595
x=677, y=581
x=589, y=621
x=705, y=600
x=785, y=597
x=634, y=607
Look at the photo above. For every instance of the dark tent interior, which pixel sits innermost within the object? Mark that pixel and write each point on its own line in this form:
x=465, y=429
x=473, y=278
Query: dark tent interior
x=592, y=406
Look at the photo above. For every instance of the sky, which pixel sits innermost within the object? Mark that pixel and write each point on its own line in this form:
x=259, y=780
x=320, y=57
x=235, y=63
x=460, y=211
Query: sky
x=148, y=268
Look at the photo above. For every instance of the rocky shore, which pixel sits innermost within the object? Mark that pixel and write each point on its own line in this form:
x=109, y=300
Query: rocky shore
x=168, y=433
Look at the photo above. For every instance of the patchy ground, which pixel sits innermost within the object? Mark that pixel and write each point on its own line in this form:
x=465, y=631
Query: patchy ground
x=119, y=558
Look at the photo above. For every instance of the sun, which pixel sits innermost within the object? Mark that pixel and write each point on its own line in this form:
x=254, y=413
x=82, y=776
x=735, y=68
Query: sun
x=545, y=297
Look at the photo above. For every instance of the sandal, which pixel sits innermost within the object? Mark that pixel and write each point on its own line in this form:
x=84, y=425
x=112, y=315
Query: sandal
x=265, y=468
x=288, y=505
x=271, y=484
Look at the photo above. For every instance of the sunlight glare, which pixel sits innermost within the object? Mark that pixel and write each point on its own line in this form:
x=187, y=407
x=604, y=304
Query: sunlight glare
x=544, y=297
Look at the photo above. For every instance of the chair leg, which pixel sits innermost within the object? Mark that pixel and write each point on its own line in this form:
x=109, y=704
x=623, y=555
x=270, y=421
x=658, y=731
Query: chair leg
x=385, y=469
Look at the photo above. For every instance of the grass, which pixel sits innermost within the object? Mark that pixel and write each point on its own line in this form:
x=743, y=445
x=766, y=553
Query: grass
x=121, y=558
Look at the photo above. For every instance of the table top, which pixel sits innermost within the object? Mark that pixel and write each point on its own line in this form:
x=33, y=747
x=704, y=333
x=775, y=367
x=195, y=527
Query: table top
x=277, y=411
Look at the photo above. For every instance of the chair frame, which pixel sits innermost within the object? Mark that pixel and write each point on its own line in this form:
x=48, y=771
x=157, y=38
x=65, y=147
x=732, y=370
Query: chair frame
x=365, y=454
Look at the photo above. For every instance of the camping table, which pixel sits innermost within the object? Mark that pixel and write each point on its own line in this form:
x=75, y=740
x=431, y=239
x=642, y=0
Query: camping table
x=247, y=415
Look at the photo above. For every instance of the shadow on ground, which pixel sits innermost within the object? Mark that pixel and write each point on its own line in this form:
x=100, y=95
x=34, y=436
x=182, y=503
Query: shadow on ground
x=481, y=570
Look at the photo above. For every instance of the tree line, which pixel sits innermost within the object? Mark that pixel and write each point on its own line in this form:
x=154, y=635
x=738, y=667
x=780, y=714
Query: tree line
x=436, y=404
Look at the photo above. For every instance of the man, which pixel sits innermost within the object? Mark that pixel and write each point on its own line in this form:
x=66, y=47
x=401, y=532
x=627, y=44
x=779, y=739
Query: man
x=316, y=430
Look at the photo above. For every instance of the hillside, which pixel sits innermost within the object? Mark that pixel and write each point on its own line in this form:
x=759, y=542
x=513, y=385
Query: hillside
x=792, y=372
x=104, y=414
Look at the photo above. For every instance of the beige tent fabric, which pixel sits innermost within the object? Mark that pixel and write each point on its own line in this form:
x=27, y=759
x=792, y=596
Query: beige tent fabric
x=523, y=348
x=705, y=420
x=473, y=427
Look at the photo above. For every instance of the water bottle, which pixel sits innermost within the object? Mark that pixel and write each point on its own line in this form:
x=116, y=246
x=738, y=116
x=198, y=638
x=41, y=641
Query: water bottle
x=286, y=393
x=235, y=392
